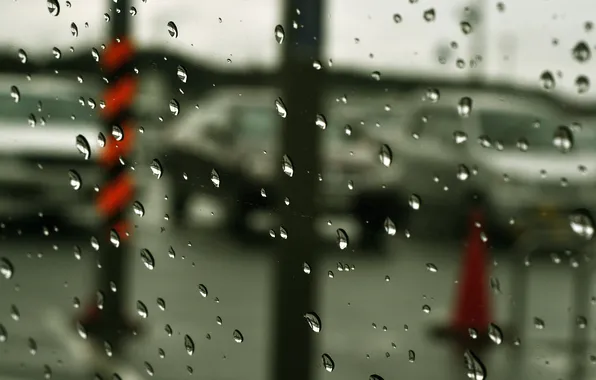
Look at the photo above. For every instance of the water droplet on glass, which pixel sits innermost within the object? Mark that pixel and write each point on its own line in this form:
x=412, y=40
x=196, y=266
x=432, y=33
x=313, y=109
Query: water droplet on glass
x=320, y=121
x=15, y=94
x=15, y=314
x=287, y=166
x=582, y=83
x=411, y=356
x=433, y=95
x=581, y=322
x=281, y=108
x=426, y=309
x=174, y=107
x=475, y=368
x=117, y=132
x=138, y=208
x=95, y=54
x=376, y=75
x=279, y=34
x=161, y=303
x=75, y=179
x=203, y=290
x=431, y=267
x=114, y=238
x=215, y=178
x=156, y=168
x=58, y=54
x=460, y=137
x=397, y=18
x=464, y=107
x=375, y=377
x=189, y=344
x=94, y=243
x=53, y=7
x=466, y=27
x=582, y=224
x=74, y=29
x=547, y=80
x=581, y=52
x=147, y=259
x=563, y=139
x=342, y=238
x=385, y=155
x=389, y=226
x=523, y=145
x=6, y=268
x=414, y=202
x=149, y=369
x=238, y=338
x=314, y=322
x=538, y=323
x=495, y=334
x=463, y=172
x=47, y=372
x=181, y=73
x=3, y=334
x=83, y=147
x=429, y=15
x=172, y=29
x=328, y=363
x=142, y=310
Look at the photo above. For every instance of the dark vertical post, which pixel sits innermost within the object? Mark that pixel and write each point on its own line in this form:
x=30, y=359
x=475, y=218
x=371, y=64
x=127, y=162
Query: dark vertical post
x=301, y=94
x=107, y=322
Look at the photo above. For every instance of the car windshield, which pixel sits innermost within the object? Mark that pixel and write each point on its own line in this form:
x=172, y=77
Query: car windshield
x=511, y=128
x=49, y=108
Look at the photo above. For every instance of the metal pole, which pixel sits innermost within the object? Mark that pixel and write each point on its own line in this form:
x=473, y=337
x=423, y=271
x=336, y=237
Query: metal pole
x=108, y=324
x=301, y=93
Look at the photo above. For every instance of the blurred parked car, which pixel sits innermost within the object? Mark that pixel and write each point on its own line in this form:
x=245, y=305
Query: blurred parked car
x=40, y=119
x=530, y=163
x=230, y=148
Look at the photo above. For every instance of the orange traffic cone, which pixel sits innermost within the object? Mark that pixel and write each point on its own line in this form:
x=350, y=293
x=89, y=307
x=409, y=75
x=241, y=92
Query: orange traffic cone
x=472, y=309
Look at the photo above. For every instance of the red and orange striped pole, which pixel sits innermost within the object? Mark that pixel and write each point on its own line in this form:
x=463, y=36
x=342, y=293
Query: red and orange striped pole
x=106, y=319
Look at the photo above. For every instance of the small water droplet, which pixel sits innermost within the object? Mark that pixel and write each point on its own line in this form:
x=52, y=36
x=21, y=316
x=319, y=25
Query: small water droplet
x=156, y=168
x=547, y=80
x=385, y=155
x=463, y=172
x=6, y=268
x=215, y=178
x=563, y=139
x=464, y=107
x=147, y=259
x=429, y=15
x=142, y=310
x=328, y=363
x=411, y=356
x=189, y=344
x=313, y=320
x=495, y=334
x=237, y=335
x=539, y=323
x=397, y=18
x=138, y=208
x=281, y=108
x=342, y=238
x=172, y=29
x=287, y=166
x=389, y=226
x=15, y=94
x=174, y=107
x=53, y=7
x=581, y=52
x=414, y=202
x=582, y=224
x=75, y=179
x=582, y=83
x=74, y=29
x=203, y=290
x=320, y=121
x=279, y=34
x=181, y=73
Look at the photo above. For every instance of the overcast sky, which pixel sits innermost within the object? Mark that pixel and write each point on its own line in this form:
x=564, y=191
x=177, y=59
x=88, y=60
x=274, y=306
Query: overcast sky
x=358, y=33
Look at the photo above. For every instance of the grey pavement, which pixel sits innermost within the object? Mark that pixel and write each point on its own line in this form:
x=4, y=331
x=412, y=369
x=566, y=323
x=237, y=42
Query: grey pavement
x=387, y=292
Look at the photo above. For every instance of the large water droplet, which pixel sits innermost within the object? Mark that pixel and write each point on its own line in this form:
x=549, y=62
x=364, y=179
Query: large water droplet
x=313, y=320
x=475, y=368
x=287, y=166
x=464, y=107
x=281, y=108
x=582, y=84
x=156, y=168
x=53, y=7
x=433, y=95
x=6, y=268
x=83, y=147
x=414, y=202
x=581, y=52
x=22, y=56
x=342, y=238
x=385, y=155
x=374, y=376
x=582, y=224
x=539, y=323
x=563, y=139
x=328, y=363
x=3, y=334
x=280, y=34
x=147, y=259
x=465, y=27
x=203, y=290
x=463, y=172
x=189, y=344
x=172, y=29
x=429, y=15
x=74, y=29
x=389, y=227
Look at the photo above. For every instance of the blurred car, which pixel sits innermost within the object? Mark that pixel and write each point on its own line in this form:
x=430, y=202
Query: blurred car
x=40, y=119
x=230, y=148
x=524, y=158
